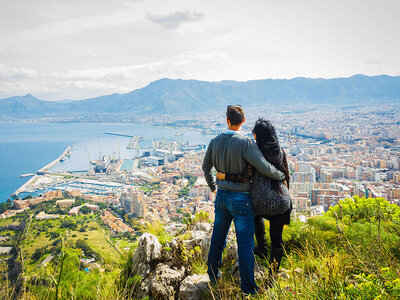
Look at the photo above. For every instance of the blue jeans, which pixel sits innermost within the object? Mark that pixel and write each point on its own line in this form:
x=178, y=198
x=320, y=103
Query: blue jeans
x=234, y=206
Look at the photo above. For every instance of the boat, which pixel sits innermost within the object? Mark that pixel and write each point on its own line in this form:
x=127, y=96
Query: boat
x=191, y=147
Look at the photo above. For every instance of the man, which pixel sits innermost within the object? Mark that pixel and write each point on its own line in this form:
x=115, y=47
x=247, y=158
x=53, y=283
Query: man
x=229, y=152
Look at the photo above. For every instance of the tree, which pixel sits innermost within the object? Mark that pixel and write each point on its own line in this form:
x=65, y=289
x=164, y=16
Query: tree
x=5, y=206
x=102, y=205
x=85, y=210
x=83, y=245
x=68, y=224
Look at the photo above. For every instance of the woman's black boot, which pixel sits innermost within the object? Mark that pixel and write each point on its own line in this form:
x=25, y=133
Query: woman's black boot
x=274, y=262
x=261, y=248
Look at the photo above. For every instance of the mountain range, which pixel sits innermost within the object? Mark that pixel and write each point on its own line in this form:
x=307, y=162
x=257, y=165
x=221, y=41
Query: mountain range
x=175, y=96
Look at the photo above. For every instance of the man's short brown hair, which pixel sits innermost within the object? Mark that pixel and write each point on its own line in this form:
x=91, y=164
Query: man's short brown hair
x=235, y=114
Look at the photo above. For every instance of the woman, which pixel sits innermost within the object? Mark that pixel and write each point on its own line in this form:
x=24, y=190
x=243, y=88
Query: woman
x=267, y=140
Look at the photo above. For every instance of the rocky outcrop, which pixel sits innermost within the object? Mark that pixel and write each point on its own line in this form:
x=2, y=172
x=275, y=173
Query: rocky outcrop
x=149, y=250
x=166, y=272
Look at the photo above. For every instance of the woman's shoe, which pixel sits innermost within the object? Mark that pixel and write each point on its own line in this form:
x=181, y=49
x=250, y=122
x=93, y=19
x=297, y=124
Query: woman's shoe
x=274, y=262
x=261, y=252
x=261, y=249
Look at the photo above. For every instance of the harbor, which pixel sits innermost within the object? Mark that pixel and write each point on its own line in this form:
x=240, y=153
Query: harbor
x=116, y=155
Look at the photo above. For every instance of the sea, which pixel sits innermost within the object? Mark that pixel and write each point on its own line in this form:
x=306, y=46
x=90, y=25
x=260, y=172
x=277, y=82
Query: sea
x=27, y=147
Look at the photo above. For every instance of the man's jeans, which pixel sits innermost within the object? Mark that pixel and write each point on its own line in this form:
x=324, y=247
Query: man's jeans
x=237, y=206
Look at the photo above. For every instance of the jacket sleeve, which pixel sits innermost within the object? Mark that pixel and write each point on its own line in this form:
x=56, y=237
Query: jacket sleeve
x=254, y=156
x=207, y=166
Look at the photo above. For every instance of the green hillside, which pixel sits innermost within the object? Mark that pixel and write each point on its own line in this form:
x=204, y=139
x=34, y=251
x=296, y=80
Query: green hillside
x=351, y=252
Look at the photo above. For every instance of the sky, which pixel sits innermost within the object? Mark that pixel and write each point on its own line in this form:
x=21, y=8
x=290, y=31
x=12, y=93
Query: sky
x=76, y=49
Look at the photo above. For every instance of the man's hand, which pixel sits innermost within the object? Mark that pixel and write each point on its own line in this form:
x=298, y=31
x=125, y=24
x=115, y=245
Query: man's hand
x=220, y=176
x=215, y=192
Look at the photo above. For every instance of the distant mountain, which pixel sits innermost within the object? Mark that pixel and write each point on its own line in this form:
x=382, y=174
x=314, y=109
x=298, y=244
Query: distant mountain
x=174, y=96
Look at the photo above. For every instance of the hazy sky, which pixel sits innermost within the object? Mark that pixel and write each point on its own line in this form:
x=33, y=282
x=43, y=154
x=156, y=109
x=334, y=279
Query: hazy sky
x=74, y=49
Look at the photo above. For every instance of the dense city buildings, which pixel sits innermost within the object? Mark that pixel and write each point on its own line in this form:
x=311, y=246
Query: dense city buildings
x=333, y=153
x=133, y=201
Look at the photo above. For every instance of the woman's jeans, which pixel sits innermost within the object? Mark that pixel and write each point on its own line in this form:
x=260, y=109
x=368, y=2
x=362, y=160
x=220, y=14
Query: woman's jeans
x=234, y=206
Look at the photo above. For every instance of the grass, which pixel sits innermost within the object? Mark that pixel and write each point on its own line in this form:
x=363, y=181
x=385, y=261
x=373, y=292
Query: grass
x=7, y=232
x=97, y=240
x=352, y=252
x=157, y=228
x=73, y=281
x=93, y=235
x=349, y=253
x=124, y=243
x=9, y=221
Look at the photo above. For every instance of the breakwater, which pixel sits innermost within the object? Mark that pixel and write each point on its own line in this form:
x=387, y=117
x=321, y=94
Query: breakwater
x=54, y=162
x=25, y=186
x=118, y=134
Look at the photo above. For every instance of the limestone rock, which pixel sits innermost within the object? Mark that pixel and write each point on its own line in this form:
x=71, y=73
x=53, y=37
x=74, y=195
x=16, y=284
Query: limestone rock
x=260, y=271
x=205, y=246
x=231, y=252
x=284, y=274
x=149, y=249
x=199, y=232
x=144, y=287
x=165, y=282
x=193, y=287
x=206, y=227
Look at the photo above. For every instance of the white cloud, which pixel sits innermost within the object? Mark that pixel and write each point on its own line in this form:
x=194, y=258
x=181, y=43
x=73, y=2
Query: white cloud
x=12, y=73
x=72, y=26
x=175, y=19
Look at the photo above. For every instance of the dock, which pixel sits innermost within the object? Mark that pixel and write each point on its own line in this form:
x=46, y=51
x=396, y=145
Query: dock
x=43, y=170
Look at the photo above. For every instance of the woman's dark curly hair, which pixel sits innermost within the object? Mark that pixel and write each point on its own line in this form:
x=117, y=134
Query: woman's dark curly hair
x=267, y=141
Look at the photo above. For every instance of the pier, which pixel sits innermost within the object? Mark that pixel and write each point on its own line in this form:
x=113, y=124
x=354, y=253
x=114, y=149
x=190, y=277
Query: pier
x=54, y=162
x=134, y=142
x=26, y=175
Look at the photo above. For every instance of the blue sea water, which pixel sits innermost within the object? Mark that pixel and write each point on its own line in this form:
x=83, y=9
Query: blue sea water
x=27, y=147
x=127, y=165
